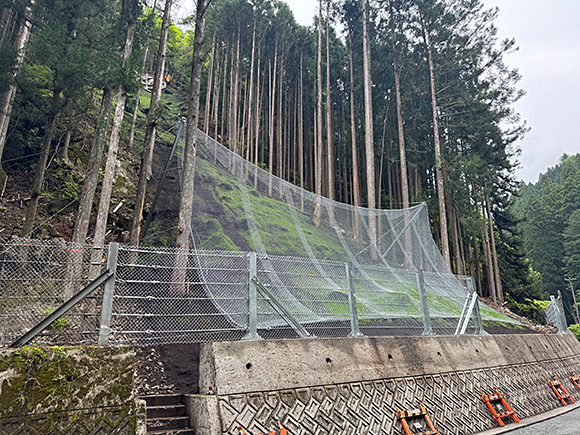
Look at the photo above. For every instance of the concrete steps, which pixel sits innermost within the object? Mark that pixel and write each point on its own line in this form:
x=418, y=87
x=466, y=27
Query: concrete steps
x=166, y=415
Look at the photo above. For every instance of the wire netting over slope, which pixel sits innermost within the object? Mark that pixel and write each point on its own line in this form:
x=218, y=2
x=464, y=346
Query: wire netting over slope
x=240, y=206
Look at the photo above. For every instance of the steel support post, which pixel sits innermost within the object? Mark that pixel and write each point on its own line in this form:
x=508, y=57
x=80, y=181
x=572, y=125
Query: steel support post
x=354, y=326
x=476, y=311
x=427, y=329
x=108, y=293
x=252, y=298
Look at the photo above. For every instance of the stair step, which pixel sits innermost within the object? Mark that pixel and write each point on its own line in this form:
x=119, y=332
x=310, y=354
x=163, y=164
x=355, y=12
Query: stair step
x=167, y=423
x=163, y=399
x=165, y=411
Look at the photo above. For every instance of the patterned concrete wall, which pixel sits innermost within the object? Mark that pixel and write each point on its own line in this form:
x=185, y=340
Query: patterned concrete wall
x=453, y=401
x=452, y=398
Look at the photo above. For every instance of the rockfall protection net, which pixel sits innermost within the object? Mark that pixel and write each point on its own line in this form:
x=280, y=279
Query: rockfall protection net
x=304, y=240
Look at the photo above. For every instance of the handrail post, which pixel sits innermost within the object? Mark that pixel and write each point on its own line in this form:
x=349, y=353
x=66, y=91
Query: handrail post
x=427, y=329
x=252, y=298
x=108, y=293
x=354, y=326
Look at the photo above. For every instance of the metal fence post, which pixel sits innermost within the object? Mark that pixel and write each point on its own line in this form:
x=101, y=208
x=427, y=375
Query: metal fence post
x=252, y=298
x=354, y=326
x=476, y=312
x=427, y=329
x=108, y=292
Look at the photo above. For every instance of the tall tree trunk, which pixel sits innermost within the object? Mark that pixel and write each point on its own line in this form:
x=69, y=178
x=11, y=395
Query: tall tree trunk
x=369, y=134
x=109, y=175
x=224, y=102
x=234, y=104
x=329, y=132
x=257, y=114
x=279, y=154
x=151, y=130
x=20, y=40
x=487, y=253
x=271, y=130
x=498, y=286
x=402, y=153
x=186, y=198
x=139, y=91
x=38, y=181
x=5, y=21
x=357, y=200
x=95, y=157
x=216, y=95
x=438, y=161
x=251, y=95
x=318, y=152
x=301, y=129
x=66, y=144
x=208, y=93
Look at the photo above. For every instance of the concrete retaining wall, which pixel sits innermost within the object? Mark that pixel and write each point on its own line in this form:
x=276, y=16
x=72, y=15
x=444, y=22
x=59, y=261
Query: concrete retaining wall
x=66, y=390
x=355, y=385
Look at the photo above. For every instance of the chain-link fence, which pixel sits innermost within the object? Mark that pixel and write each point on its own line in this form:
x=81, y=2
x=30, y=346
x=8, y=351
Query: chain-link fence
x=167, y=295
x=38, y=276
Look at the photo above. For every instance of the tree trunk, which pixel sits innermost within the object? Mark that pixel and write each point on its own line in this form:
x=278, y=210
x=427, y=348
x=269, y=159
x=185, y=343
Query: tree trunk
x=438, y=161
x=224, y=102
x=271, y=131
x=355, y=174
x=498, y=286
x=279, y=154
x=301, y=128
x=318, y=152
x=109, y=175
x=36, y=189
x=5, y=21
x=234, y=105
x=208, y=93
x=401, y=132
x=216, y=95
x=329, y=132
x=186, y=198
x=151, y=130
x=488, y=260
x=251, y=95
x=20, y=40
x=139, y=91
x=96, y=156
x=369, y=134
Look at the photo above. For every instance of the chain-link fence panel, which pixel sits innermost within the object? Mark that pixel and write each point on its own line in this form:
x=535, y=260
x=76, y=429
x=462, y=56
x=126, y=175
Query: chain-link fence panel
x=38, y=276
x=179, y=296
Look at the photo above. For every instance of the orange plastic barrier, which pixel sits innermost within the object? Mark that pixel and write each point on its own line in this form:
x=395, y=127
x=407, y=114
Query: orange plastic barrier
x=278, y=432
x=575, y=380
x=560, y=391
x=415, y=414
x=499, y=407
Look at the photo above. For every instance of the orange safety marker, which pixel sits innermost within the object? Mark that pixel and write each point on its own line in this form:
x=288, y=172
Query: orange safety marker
x=575, y=380
x=560, y=390
x=416, y=414
x=499, y=407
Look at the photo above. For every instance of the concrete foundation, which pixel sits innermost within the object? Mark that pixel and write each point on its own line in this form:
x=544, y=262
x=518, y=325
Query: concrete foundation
x=355, y=385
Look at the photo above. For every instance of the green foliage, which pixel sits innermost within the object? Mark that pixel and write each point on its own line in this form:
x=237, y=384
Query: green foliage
x=575, y=329
x=531, y=308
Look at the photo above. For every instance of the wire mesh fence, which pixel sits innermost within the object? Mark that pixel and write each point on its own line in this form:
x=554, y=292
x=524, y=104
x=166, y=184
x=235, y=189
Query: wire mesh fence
x=168, y=295
x=36, y=277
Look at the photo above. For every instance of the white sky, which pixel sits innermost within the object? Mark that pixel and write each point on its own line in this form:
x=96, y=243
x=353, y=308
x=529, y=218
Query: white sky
x=548, y=34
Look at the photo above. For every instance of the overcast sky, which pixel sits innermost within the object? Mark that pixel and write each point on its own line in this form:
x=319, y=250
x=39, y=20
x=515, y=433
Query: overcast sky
x=548, y=34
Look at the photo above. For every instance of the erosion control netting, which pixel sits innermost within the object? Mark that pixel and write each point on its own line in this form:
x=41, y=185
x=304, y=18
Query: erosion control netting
x=303, y=242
